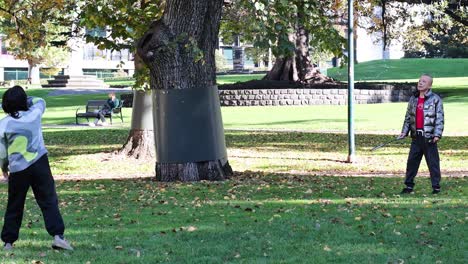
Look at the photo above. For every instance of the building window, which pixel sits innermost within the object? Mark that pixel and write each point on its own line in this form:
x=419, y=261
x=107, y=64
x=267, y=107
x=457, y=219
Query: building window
x=15, y=74
x=100, y=73
x=227, y=53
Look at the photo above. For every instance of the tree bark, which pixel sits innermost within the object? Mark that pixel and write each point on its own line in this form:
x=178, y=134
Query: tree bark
x=140, y=141
x=33, y=73
x=298, y=67
x=139, y=145
x=179, y=50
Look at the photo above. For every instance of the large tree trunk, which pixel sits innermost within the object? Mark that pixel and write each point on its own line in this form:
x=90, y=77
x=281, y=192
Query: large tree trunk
x=179, y=50
x=140, y=141
x=297, y=67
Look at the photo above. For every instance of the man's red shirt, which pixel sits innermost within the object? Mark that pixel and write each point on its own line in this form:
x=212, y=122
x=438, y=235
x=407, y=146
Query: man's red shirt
x=420, y=114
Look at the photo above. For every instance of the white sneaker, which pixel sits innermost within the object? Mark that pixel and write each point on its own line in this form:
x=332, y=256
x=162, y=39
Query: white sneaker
x=61, y=243
x=91, y=124
x=3, y=180
x=8, y=246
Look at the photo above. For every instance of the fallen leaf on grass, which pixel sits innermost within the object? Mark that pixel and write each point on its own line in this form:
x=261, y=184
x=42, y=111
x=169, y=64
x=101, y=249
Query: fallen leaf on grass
x=138, y=253
x=191, y=228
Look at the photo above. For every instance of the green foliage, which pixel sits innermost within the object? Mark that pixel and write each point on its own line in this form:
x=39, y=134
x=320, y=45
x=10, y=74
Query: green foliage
x=124, y=23
x=32, y=27
x=427, y=30
x=55, y=57
x=271, y=24
x=445, y=38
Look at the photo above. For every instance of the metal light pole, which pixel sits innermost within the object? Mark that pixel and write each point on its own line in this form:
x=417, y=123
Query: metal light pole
x=351, y=157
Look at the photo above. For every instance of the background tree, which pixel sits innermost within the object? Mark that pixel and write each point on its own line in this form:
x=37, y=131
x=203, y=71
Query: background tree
x=125, y=21
x=290, y=29
x=385, y=18
x=439, y=34
x=32, y=27
x=426, y=28
x=54, y=59
x=179, y=49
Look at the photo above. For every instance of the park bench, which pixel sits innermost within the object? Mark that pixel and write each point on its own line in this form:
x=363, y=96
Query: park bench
x=93, y=107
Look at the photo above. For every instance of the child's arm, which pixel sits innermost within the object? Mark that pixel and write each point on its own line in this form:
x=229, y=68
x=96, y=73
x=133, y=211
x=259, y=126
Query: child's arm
x=3, y=155
x=36, y=103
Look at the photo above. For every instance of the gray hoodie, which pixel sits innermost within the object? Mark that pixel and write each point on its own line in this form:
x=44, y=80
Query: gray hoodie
x=21, y=141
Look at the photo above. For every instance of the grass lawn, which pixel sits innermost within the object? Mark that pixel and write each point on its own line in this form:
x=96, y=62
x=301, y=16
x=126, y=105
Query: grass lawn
x=226, y=79
x=273, y=152
x=403, y=69
x=253, y=218
x=281, y=206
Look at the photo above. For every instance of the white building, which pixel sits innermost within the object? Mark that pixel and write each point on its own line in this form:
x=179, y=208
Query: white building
x=84, y=56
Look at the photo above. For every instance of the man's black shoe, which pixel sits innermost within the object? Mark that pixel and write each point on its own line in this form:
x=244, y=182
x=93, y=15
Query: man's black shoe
x=407, y=190
x=435, y=191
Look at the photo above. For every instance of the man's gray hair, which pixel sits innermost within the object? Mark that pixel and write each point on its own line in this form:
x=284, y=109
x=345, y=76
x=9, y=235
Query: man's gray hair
x=428, y=75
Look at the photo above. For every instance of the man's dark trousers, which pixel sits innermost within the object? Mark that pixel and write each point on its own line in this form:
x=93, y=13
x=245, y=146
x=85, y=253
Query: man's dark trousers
x=421, y=146
x=39, y=177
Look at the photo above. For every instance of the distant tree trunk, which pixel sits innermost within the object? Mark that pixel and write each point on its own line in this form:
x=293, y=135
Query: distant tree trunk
x=385, y=37
x=33, y=73
x=298, y=67
x=140, y=140
x=179, y=50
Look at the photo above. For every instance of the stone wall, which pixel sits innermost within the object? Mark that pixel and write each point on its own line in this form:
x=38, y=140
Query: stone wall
x=364, y=93
x=368, y=94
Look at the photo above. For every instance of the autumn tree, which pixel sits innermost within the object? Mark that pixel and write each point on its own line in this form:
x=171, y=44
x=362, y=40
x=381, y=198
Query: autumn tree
x=124, y=23
x=426, y=27
x=291, y=29
x=440, y=34
x=34, y=27
x=179, y=49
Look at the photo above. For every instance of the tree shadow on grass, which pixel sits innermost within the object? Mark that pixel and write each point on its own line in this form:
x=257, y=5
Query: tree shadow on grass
x=286, y=158
x=324, y=142
x=90, y=141
x=84, y=141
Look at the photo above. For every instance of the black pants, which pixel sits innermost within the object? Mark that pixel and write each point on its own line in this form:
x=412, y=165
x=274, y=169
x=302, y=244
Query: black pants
x=421, y=146
x=39, y=177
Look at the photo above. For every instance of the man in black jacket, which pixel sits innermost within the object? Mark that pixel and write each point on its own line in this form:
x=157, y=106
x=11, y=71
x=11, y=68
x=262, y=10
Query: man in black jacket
x=425, y=119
